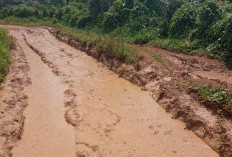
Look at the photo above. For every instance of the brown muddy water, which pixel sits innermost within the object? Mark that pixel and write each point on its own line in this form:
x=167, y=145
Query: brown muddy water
x=77, y=107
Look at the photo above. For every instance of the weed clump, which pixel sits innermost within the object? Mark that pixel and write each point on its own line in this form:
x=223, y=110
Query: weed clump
x=116, y=49
x=218, y=97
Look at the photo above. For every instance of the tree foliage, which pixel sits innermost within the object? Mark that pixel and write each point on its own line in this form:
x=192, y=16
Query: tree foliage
x=183, y=21
x=202, y=24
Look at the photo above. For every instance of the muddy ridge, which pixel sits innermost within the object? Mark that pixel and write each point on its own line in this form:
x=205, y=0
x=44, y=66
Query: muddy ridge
x=167, y=89
x=13, y=102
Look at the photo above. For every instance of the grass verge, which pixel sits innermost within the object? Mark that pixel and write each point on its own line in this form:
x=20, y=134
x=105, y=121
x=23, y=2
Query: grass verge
x=104, y=44
x=5, y=45
x=114, y=48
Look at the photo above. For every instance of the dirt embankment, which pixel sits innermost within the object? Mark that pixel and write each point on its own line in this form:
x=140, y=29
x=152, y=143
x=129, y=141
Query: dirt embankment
x=168, y=85
x=13, y=102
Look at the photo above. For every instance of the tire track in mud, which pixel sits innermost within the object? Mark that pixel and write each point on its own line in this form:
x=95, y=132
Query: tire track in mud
x=71, y=115
x=111, y=116
x=46, y=133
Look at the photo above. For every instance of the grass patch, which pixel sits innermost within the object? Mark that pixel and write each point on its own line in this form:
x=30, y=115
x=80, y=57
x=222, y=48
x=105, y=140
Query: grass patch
x=28, y=21
x=117, y=49
x=5, y=45
x=156, y=56
x=217, y=97
x=85, y=37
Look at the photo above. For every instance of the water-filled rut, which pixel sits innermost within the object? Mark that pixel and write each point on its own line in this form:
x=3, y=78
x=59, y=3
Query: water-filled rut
x=109, y=116
x=46, y=133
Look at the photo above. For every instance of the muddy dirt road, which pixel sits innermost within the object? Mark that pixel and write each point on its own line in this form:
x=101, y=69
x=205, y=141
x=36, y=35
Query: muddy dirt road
x=77, y=107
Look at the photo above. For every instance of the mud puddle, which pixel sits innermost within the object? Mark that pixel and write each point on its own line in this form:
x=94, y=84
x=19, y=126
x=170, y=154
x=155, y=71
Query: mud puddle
x=46, y=133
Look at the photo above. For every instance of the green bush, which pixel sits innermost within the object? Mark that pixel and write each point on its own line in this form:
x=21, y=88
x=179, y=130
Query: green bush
x=221, y=34
x=144, y=36
x=183, y=21
x=208, y=14
x=138, y=18
x=97, y=7
x=54, y=21
x=110, y=23
x=23, y=11
x=227, y=8
x=84, y=20
x=159, y=25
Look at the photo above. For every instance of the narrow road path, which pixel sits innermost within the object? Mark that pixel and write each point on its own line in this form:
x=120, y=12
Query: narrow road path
x=111, y=117
x=46, y=132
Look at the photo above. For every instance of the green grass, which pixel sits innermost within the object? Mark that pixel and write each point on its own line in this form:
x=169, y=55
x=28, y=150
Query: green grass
x=5, y=45
x=27, y=21
x=216, y=97
x=155, y=55
x=117, y=49
x=85, y=37
x=169, y=44
x=104, y=44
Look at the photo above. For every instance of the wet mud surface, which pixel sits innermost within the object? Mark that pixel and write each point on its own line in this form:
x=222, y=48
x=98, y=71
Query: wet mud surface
x=108, y=115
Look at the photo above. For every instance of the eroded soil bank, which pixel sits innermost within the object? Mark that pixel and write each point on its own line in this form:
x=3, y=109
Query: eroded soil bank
x=13, y=101
x=169, y=84
x=111, y=116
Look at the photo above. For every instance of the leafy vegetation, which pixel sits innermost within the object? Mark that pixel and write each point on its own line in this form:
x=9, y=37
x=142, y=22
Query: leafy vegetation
x=189, y=26
x=117, y=49
x=5, y=44
x=217, y=97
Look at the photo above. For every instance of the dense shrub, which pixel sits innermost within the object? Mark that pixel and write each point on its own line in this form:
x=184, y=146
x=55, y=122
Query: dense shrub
x=157, y=7
x=110, y=22
x=160, y=25
x=144, y=36
x=222, y=35
x=97, y=7
x=183, y=21
x=23, y=11
x=208, y=14
x=138, y=20
x=84, y=20
x=227, y=8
